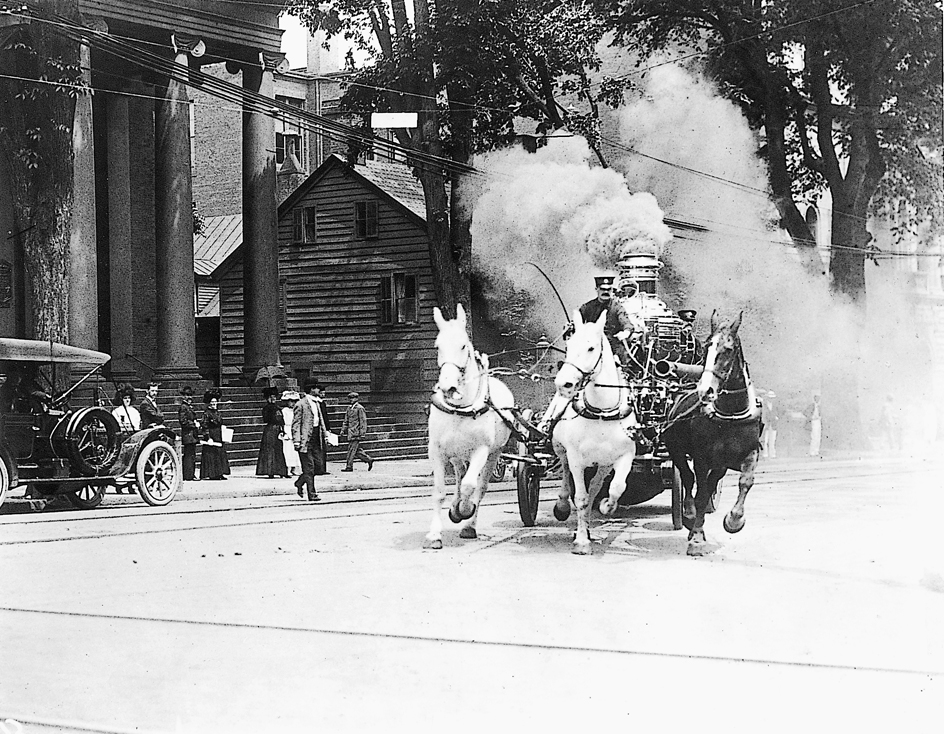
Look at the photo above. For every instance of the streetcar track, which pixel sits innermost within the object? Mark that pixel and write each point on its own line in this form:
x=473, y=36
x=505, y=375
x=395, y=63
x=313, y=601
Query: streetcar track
x=336, y=516
x=438, y=639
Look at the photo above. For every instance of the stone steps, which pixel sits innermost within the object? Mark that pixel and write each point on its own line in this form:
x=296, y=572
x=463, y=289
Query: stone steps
x=387, y=438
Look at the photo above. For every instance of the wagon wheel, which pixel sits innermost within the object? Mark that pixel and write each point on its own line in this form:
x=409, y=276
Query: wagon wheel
x=158, y=473
x=498, y=473
x=529, y=492
x=86, y=497
x=678, y=495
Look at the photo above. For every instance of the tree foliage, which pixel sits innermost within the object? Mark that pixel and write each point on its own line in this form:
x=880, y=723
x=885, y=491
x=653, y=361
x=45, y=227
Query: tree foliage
x=843, y=90
x=37, y=107
x=470, y=69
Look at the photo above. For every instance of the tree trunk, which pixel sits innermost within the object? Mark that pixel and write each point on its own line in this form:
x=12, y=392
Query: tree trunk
x=36, y=131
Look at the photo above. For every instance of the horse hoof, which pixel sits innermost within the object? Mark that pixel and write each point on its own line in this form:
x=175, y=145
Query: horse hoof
x=733, y=525
x=562, y=510
x=433, y=544
x=454, y=515
x=697, y=549
x=607, y=506
x=468, y=533
x=582, y=549
x=466, y=509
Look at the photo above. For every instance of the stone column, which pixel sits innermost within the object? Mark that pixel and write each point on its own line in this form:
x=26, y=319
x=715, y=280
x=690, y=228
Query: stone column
x=83, y=257
x=260, y=227
x=176, y=328
x=120, y=256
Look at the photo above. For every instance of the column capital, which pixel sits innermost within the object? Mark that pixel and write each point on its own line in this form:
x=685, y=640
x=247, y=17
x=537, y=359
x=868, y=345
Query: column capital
x=184, y=44
x=273, y=62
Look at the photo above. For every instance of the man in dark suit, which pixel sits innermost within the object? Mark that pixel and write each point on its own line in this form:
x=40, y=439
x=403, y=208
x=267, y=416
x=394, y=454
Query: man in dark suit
x=151, y=414
x=306, y=435
x=189, y=428
x=320, y=450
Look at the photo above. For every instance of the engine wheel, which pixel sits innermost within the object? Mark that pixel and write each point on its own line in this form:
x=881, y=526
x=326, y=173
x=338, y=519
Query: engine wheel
x=529, y=493
x=87, y=497
x=158, y=472
x=678, y=495
x=498, y=473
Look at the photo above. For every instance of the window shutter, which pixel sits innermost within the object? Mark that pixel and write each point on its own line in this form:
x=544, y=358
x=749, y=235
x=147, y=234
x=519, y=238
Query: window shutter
x=298, y=229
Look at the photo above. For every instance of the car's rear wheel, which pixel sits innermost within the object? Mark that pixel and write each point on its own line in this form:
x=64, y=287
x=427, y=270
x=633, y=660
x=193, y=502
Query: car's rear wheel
x=158, y=473
x=87, y=497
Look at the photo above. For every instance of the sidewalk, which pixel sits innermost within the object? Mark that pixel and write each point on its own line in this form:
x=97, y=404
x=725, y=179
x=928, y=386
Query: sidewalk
x=243, y=482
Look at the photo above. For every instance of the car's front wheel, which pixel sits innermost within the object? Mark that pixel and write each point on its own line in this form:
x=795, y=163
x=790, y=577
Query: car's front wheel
x=4, y=480
x=158, y=473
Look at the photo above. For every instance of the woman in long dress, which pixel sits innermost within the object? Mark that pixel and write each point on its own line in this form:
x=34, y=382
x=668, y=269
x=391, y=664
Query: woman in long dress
x=214, y=464
x=271, y=460
x=292, y=461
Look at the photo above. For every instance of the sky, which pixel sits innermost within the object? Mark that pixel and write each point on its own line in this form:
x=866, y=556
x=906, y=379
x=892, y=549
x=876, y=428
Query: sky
x=293, y=40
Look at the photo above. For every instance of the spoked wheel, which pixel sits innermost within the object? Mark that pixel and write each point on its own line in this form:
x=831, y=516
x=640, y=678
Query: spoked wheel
x=4, y=480
x=678, y=495
x=498, y=473
x=529, y=492
x=87, y=497
x=158, y=473
x=92, y=436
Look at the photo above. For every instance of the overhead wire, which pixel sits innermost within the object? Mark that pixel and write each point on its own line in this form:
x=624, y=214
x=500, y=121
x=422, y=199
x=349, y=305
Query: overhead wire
x=260, y=104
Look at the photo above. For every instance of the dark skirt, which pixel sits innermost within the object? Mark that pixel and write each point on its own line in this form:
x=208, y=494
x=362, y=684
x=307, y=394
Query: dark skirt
x=271, y=459
x=214, y=463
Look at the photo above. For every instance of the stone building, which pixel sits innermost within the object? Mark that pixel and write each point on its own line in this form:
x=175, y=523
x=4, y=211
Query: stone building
x=131, y=290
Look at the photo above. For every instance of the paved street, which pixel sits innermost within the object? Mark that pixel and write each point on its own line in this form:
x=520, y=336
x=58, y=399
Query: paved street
x=245, y=609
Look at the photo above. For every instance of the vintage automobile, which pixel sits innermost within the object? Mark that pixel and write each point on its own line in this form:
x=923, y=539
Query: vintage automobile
x=52, y=449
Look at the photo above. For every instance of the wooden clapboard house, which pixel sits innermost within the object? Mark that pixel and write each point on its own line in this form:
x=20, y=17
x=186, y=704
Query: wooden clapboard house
x=356, y=296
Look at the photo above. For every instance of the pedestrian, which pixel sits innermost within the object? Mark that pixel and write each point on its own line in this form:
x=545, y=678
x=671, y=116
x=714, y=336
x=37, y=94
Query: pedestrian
x=150, y=411
x=305, y=436
x=128, y=417
x=292, y=462
x=271, y=460
x=320, y=454
x=354, y=428
x=888, y=424
x=814, y=421
x=214, y=463
x=189, y=433
x=770, y=416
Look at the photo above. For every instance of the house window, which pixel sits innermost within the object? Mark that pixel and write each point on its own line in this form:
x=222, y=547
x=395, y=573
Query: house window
x=398, y=299
x=304, y=225
x=365, y=220
x=285, y=145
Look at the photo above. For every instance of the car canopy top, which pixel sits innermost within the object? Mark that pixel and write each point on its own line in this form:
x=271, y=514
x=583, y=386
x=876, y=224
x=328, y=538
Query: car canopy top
x=29, y=350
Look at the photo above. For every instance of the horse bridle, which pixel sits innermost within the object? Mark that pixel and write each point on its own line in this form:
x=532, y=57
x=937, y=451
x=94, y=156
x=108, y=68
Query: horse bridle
x=586, y=375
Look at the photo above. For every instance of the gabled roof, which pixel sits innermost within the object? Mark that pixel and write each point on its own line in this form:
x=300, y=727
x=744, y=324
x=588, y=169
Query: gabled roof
x=392, y=181
x=220, y=238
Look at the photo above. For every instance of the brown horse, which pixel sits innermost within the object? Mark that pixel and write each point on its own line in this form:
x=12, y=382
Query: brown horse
x=718, y=425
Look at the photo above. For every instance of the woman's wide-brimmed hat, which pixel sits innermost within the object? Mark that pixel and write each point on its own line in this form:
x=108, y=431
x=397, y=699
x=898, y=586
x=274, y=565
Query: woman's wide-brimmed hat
x=186, y=390
x=290, y=395
x=210, y=394
x=312, y=382
x=268, y=392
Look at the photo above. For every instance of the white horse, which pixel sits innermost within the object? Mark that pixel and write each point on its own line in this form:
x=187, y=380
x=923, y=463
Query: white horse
x=596, y=428
x=465, y=428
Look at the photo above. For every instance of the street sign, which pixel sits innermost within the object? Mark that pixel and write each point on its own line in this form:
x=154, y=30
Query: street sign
x=392, y=119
